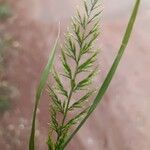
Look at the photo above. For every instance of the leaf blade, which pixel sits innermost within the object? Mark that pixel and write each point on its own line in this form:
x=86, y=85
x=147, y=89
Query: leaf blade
x=39, y=91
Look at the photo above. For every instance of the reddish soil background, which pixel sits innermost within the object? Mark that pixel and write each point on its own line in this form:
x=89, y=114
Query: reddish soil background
x=122, y=120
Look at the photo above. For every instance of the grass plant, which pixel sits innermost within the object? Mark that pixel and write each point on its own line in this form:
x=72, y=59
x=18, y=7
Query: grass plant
x=78, y=49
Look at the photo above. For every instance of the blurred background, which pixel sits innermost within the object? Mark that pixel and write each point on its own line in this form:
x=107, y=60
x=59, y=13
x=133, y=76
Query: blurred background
x=28, y=29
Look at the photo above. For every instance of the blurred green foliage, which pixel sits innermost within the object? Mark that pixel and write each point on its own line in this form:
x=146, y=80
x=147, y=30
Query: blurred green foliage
x=5, y=11
x=5, y=98
x=5, y=44
x=4, y=104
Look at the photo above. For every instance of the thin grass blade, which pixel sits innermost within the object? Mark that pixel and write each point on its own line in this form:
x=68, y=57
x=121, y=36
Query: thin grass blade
x=112, y=71
x=39, y=91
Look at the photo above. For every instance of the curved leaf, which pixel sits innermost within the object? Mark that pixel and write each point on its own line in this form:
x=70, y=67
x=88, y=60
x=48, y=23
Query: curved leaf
x=39, y=91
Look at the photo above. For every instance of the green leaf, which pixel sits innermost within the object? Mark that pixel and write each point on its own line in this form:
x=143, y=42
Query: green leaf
x=39, y=91
x=112, y=71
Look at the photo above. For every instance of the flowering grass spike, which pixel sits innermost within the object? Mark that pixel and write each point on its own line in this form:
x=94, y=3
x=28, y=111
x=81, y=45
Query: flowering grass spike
x=78, y=56
x=79, y=49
